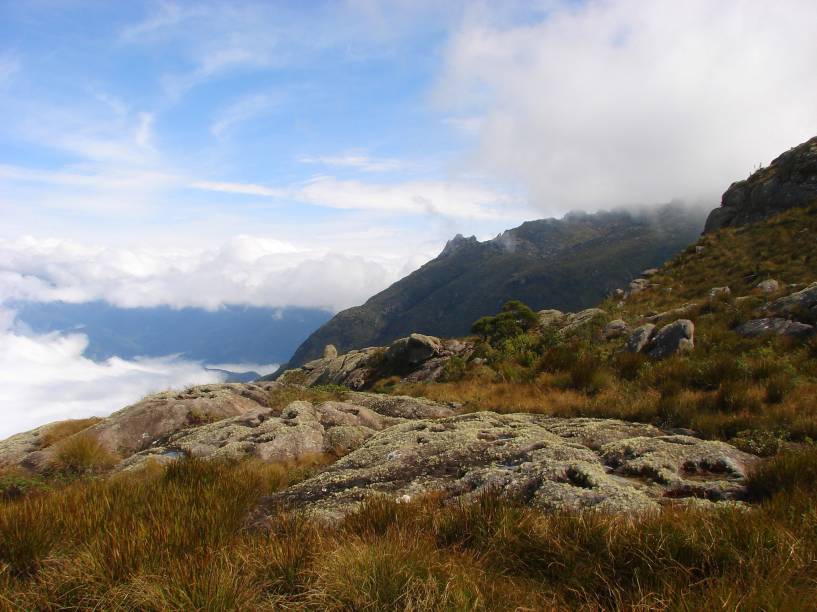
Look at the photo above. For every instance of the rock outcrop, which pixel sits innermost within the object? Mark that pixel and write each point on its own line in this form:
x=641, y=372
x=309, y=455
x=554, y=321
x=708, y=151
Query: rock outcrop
x=639, y=338
x=789, y=181
x=230, y=420
x=670, y=339
x=550, y=463
x=799, y=302
x=416, y=358
x=774, y=326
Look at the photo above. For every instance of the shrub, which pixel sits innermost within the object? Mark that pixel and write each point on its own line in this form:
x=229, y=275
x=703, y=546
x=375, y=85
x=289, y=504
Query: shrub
x=784, y=474
x=586, y=374
x=59, y=431
x=454, y=369
x=777, y=387
x=628, y=365
x=82, y=454
x=514, y=319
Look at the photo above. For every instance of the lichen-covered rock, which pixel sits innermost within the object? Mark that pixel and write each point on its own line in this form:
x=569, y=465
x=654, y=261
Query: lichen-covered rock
x=719, y=292
x=330, y=352
x=414, y=350
x=638, y=285
x=615, y=329
x=576, y=320
x=138, y=426
x=670, y=339
x=416, y=358
x=800, y=301
x=231, y=420
x=675, y=313
x=551, y=463
x=774, y=326
x=768, y=286
x=549, y=317
x=639, y=338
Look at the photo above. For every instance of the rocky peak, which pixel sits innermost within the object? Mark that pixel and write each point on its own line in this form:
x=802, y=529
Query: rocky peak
x=788, y=182
x=456, y=243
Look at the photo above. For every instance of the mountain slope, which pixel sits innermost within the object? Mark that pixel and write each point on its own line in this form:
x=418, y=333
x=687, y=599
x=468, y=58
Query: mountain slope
x=570, y=263
x=790, y=181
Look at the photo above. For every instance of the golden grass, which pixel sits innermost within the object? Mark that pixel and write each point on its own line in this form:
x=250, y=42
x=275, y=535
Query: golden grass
x=175, y=538
x=82, y=453
x=63, y=429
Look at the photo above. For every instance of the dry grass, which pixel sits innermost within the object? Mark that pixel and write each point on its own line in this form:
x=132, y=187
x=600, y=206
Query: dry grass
x=82, y=453
x=63, y=429
x=175, y=539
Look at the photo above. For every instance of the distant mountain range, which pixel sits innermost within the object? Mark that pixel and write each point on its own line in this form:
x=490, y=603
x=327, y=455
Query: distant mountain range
x=568, y=263
x=232, y=335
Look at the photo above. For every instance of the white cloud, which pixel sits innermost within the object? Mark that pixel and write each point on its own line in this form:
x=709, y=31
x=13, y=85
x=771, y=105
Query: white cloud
x=249, y=270
x=620, y=101
x=239, y=188
x=446, y=198
x=243, y=110
x=457, y=199
x=144, y=130
x=357, y=161
x=45, y=378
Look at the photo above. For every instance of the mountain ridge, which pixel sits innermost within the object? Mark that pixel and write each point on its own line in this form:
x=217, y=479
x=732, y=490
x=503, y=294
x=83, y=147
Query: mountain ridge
x=569, y=263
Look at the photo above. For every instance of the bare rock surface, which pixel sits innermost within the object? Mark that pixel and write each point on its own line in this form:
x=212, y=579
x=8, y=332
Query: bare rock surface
x=640, y=337
x=416, y=358
x=774, y=326
x=576, y=320
x=670, y=339
x=801, y=301
x=789, y=181
x=552, y=463
x=231, y=420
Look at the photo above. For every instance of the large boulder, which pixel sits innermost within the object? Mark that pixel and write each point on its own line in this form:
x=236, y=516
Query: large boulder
x=789, y=181
x=551, y=463
x=230, y=420
x=415, y=349
x=639, y=338
x=673, y=338
x=774, y=326
x=615, y=329
x=549, y=317
x=799, y=302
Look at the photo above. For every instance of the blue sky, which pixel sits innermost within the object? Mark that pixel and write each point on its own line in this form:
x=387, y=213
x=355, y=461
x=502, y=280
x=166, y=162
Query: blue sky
x=150, y=139
x=163, y=152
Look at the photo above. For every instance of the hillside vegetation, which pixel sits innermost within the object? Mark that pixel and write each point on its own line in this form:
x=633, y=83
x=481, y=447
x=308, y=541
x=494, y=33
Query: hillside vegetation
x=567, y=263
x=754, y=392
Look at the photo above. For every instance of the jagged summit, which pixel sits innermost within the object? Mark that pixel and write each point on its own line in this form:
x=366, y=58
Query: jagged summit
x=789, y=181
x=456, y=243
x=568, y=263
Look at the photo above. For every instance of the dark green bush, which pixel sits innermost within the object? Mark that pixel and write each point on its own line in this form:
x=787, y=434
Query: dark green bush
x=514, y=319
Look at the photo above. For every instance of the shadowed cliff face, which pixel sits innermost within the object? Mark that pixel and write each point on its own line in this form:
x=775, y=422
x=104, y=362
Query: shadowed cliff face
x=790, y=181
x=568, y=264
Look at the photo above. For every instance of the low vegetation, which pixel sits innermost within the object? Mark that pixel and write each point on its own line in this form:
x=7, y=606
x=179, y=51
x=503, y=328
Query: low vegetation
x=757, y=393
x=179, y=538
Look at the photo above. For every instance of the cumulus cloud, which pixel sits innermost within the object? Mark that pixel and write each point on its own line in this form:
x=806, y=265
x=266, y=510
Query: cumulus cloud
x=618, y=102
x=45, y=378
x=246, y=269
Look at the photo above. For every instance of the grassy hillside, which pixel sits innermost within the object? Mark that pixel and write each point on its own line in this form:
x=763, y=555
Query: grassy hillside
x=175, y=538
x=182, y=537
x=753, y=392
x=569, y=263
